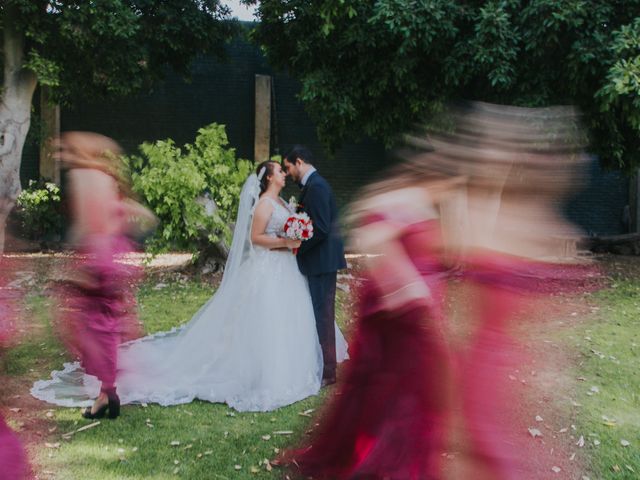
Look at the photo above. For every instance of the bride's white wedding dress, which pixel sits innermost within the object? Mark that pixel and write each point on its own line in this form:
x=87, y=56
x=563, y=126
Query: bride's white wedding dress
x=253, y=345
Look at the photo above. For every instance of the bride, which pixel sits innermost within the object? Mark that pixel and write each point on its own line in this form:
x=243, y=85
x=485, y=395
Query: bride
x=253, y=345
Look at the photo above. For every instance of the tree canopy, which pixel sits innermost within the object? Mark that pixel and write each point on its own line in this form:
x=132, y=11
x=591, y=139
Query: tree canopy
x=107, y=47
x=374, y=67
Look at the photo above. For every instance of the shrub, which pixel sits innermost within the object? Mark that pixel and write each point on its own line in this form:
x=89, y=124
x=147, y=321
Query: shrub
x=39, y=211
x=176, y=183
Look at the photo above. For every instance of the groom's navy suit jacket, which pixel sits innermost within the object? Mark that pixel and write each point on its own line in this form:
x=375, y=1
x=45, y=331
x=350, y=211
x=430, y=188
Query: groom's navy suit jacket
x=324, y=252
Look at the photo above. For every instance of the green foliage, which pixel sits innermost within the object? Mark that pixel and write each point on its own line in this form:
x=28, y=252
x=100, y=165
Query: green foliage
x=38, y=209
x=172, y=179
x=376, y=67
x=114, y=47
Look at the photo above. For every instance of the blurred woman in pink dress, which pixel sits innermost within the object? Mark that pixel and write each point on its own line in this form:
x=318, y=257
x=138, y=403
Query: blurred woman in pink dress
x=98, y=306
x=389, y=415
x=482, y=197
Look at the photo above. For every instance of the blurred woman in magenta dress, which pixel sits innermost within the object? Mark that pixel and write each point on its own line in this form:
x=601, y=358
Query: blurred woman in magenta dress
x=483, y=196
x=97, y=301
x=389, y=416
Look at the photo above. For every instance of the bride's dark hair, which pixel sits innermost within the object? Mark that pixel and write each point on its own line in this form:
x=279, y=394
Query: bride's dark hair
x=268, y=165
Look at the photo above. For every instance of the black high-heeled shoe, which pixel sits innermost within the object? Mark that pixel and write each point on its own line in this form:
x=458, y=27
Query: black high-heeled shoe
x=114, y=406
x=98, y=413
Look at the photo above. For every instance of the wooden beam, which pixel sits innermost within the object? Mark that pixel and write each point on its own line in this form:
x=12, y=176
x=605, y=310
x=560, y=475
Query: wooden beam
x=50, y=113
x=262, y=147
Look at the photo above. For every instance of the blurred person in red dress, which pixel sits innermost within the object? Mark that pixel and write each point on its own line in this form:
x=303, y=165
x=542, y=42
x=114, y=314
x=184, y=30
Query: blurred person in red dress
x=389, y=416
x=97, y=300
x=483, y=196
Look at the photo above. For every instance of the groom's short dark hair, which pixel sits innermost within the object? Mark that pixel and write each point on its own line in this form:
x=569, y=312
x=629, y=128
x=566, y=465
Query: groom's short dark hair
x=301, y=152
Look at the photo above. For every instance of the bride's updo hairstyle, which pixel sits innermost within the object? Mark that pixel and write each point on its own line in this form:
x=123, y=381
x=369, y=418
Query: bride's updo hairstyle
x=268, y=166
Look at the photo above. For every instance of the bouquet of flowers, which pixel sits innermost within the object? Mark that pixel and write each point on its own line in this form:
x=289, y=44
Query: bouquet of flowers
x=298, y=227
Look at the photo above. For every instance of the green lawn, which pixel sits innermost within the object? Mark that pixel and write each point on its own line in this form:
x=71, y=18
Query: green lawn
x=195, y=441
x=609, y=386
x=205, y=441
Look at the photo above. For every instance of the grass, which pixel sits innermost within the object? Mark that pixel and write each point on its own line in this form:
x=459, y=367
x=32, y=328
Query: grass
x=214, y=441
x=609, y=390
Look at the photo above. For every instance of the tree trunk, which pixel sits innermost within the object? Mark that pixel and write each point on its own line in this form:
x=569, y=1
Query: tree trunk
x=15, y=115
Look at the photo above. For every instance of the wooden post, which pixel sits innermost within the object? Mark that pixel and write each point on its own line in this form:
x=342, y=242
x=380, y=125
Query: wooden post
x=50, y=113
x=634, y=203
x=262, y=146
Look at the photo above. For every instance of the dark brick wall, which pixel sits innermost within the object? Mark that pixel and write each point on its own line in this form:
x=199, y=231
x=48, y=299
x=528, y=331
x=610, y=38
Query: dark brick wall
x=223, y=92
x=598, y=207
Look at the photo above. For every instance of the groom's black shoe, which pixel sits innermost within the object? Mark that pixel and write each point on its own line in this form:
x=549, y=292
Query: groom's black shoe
x=328, y=381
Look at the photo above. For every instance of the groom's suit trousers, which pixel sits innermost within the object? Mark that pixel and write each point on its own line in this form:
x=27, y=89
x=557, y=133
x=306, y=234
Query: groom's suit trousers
x=323, y=297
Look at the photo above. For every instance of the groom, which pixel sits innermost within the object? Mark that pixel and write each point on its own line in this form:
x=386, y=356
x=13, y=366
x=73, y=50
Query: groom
x=320, y=257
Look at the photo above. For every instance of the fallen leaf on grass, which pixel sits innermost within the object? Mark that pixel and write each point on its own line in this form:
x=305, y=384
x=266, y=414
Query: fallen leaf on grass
x=534, y=432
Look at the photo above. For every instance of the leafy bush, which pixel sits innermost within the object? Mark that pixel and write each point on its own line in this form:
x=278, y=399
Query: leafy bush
x=39, y=211
x=178, y=184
